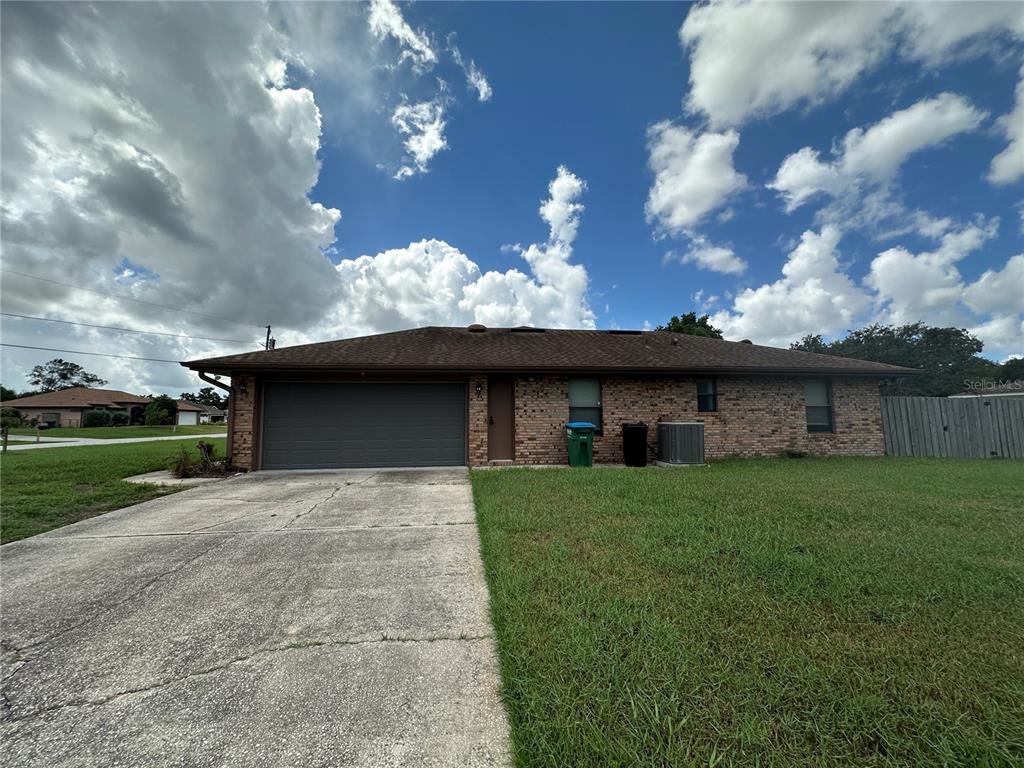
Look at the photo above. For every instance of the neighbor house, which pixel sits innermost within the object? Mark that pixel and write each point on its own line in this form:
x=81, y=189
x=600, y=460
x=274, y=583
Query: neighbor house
x=479, y=396
x=211, y=414
x=64, y=408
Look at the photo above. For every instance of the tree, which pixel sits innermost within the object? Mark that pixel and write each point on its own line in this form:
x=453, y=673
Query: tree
x=161, y=410
x=60, y=374
x=206, y=396
x=691, y=324
x=949, y=357
x=7, y=394
x=1012, y=370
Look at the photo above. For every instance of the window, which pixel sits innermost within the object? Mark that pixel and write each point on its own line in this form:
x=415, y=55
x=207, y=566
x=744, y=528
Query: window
x=818, y=400
x=585, y=401
x=707, y=395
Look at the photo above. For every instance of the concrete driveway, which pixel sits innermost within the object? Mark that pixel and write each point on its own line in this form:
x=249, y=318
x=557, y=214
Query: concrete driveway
x=275, y=619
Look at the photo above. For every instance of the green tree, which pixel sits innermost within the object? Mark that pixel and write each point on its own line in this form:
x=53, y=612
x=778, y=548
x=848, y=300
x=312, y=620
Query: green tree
x=161, y=410
x=1012, y=370
x=949, y=357
x=691, y=324
x=61, y=374
x=206, y=396
x=7, y=394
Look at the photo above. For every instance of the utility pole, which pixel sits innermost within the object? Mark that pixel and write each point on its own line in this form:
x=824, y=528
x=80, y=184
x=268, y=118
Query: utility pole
x=270, y=343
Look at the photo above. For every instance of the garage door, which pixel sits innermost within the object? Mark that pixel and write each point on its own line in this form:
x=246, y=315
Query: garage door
x=307, y=426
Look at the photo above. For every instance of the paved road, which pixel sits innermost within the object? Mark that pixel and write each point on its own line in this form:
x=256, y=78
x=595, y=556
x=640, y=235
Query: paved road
x=70, y=442
x=275, y=619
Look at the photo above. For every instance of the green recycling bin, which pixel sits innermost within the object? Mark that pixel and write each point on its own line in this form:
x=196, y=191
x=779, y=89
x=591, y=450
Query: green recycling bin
x=581, y=443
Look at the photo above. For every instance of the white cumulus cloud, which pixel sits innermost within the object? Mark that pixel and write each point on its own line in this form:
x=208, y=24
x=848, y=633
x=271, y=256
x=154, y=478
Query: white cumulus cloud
x=1008, y=165
x=386, y=21
x=693, y=175
x=715, y=258
x=875, y=154
x=433, y=282
x=422, y=125
x=814, y=295
x=751, y=59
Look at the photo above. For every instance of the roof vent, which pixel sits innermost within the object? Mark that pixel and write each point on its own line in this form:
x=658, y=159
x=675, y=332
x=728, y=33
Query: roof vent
x=746, y=341
x=476, y=328
x=526, y=329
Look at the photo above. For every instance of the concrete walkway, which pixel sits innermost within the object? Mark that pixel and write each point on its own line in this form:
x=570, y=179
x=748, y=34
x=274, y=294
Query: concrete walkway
x=278, y=619
x=70, y=442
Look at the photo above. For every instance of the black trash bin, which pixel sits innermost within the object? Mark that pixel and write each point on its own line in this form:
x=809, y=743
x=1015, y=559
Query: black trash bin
x=634, y=444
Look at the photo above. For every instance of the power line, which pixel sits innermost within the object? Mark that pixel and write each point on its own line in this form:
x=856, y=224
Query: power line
x=127, y=330
x=93, y=354
x=125, y=298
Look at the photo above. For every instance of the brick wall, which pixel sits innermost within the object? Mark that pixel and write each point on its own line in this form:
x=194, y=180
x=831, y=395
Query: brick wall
x=755, y=417
x=477, y=421
x=242, y=418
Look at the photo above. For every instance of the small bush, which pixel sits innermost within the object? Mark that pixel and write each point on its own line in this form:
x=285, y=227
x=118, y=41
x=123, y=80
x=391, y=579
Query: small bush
x=96, y=418
x=11, y=417
x=119, y=419
x=184, y=464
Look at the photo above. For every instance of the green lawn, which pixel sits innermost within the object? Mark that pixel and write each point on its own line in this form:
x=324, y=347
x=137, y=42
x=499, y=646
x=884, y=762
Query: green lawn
x=110, y=433
x=50, y=487
x=801, y=612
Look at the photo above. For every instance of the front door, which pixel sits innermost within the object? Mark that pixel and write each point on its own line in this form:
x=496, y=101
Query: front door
x=500, y=420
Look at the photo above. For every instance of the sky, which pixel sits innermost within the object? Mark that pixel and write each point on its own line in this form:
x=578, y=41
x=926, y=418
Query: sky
x=339, y=169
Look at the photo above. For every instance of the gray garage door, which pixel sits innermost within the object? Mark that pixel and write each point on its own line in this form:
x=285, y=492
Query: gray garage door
x=308, y=426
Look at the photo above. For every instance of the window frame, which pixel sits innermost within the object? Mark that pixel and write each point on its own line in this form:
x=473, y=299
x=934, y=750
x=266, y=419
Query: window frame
x=599, y=424
x=713, y=395
x=829, y=406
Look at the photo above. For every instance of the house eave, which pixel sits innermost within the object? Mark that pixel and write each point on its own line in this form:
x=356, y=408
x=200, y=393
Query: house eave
x=405, y=371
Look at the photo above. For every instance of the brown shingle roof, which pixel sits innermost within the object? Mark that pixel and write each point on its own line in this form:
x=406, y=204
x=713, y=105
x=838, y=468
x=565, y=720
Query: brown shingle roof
x=514, y=349
x=85, y=397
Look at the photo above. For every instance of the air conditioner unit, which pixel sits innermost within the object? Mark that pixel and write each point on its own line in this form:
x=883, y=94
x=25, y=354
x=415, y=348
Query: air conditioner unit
x=680, y=442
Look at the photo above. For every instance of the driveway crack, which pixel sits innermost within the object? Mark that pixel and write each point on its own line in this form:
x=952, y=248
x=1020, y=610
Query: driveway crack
x=313, y=508
x=102, y=609
x=215, y=668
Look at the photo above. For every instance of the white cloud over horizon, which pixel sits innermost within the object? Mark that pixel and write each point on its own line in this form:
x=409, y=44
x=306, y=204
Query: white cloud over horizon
x=431, y=282
x=816, y=294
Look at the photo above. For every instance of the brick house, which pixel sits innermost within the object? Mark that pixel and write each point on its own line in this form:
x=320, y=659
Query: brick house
x=477, y=396
x=64, y=408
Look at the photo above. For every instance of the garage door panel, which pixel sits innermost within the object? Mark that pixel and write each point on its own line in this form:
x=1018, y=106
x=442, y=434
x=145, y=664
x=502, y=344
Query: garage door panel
x=363, y=425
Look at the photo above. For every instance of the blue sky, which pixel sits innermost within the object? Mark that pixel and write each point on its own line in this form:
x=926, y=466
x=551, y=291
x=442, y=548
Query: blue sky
x=340, y=169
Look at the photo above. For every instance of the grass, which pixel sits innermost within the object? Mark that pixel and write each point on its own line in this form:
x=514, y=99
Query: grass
x=815, y=612
x=47, y=488
x=111, y=433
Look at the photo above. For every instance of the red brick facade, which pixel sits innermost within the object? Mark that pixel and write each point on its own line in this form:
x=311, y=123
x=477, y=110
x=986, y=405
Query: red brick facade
x=756, y=416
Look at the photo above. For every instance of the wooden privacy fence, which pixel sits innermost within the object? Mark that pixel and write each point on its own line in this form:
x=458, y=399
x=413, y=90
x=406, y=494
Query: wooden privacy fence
x=956, y=428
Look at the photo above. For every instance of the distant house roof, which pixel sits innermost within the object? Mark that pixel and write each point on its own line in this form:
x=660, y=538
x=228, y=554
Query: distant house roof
x=213, y=410
x=1002, y=389
x=86, y=397
x=537, y=349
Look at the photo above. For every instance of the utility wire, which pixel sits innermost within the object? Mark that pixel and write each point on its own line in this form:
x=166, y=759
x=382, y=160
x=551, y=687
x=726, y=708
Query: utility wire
x=129, y=330
x=94, y=354
x=125, y=298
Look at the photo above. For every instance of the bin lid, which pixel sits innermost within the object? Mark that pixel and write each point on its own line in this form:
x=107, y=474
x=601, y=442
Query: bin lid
x=580, y=425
